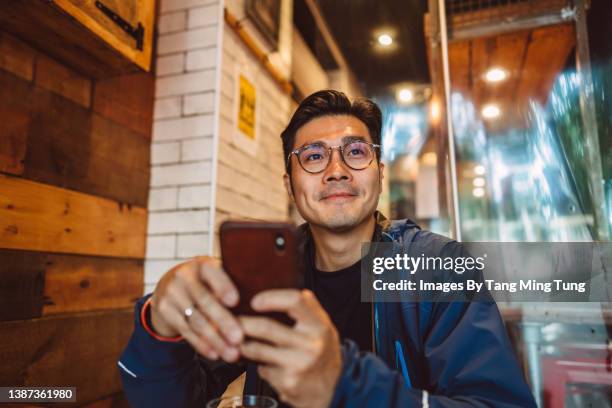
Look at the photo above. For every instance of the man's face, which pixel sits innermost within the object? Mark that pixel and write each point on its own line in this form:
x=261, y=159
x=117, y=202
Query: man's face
x=339, y=197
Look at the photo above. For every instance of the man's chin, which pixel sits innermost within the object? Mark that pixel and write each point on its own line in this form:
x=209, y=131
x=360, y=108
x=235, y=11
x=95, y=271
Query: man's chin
x=339, y=221
x=341, y=225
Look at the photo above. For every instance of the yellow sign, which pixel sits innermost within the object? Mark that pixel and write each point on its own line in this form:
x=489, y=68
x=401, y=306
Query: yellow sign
x=246, y=108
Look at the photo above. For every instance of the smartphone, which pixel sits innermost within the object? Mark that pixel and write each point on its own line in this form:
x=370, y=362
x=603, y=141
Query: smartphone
x=259, y=256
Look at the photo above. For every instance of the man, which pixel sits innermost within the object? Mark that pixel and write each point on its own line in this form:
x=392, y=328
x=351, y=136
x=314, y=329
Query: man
x=340, y=352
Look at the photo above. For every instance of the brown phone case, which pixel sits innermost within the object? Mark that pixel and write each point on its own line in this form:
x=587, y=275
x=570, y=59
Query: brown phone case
x=259, y=256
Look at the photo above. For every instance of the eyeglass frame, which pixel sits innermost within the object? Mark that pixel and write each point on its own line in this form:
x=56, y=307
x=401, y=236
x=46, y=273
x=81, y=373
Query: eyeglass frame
x=331, y=149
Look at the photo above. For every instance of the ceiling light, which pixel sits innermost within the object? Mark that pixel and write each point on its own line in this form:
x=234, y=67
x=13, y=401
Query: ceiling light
x=429, y=159
x=479, y=182
x=434, y=111
x=480, y=170
x=385, y=40
x=478, y=192
x=405, y=95
x=496, y=75
x=491, y=111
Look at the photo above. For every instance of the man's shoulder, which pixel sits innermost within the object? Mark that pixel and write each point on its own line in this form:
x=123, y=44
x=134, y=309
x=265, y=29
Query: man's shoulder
x=422, y=241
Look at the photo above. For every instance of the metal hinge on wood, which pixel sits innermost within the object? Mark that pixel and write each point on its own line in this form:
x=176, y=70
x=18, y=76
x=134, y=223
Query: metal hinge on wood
x=135, y=32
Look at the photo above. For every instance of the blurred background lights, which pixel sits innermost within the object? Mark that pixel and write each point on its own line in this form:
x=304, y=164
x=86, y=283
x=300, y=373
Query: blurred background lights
x=496, y=75
x=405, y=95
x=480, y=170
x=434, y=111
x=385, y=40
x=491, y=111
x=479, y=182
x=478, y=192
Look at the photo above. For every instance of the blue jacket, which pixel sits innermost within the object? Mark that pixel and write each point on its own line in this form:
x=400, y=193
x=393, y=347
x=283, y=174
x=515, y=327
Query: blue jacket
x=430, y=354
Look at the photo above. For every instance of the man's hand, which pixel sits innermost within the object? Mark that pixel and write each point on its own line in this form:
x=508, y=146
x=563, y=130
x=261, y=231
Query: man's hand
x=302, y=362
x=202, y=285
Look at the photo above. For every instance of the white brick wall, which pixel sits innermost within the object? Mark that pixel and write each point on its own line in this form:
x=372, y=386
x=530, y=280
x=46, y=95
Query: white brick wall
x=192, y=196
x=163, y=198
x=250, y=186
x=203, y=16
x=190, y=245
x=182, y=152
x=201, y=59
x=185, y=83
x=172, y=22
x=183, y=128
x=178, y=221
x=180, y=174
x=161, y=246
x=187, y=40
x=170, y=64
x=199, y=175
x=168, y=108
x=165, y=153
x=197, y=149
x=199, y=103
x=171, y=5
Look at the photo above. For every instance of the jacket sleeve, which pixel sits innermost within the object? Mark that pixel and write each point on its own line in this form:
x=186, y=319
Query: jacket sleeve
x=468, y=363
x=164, y=374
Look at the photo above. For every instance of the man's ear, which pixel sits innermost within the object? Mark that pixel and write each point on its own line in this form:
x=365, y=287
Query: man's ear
x=288, y=187
x=381, y=173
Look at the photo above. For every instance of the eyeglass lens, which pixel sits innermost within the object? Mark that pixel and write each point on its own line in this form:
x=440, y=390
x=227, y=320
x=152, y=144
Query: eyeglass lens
x=314, y=158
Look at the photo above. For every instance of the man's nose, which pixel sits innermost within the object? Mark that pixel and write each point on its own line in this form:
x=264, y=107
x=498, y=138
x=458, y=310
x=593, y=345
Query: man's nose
x=337, y=169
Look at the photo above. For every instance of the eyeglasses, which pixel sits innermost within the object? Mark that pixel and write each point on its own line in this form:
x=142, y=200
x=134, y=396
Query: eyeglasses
x=314, y=158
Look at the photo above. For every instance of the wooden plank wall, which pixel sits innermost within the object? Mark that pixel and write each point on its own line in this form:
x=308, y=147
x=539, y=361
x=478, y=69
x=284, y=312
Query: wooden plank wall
x=74, y=179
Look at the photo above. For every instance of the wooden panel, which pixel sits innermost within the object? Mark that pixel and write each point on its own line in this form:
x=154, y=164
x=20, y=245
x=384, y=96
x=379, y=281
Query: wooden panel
x=68, y=146
x=46, y=27
x=39, y=217
x=23, y=278
x=128, y=100
x=56, y=77
x=79, y=284
x=16, y=57
x=548, y=50
x=13, y=139
x=532, y=59
x=36, y=284
x=78, y=350
x=509, y=54
x=460, y=61
x=132, y=11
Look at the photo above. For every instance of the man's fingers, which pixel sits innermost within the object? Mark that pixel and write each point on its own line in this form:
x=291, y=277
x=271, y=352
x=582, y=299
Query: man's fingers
x=206, y=329
x=200, y=345
x=195, y=339
x=217, y=313
x=197, y=323
x=270, y=330
x=300, y=305
x=211, y=272
x=285, y=385
x=267, y=354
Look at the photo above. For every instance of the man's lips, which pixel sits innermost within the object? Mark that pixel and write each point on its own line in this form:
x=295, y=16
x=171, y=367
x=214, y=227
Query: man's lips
x=333, y=196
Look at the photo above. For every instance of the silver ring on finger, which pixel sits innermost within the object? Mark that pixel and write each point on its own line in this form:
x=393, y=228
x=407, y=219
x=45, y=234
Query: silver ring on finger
x=188, y=312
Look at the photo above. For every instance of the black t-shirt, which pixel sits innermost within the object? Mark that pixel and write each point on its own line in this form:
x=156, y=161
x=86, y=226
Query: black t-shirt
x=339, y=293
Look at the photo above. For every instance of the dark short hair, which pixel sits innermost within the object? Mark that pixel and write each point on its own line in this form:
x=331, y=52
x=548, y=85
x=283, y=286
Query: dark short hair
x=330, y=103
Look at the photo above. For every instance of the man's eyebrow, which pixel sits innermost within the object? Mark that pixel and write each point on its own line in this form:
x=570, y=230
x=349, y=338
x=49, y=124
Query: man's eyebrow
x=353, y=138
x=345, y=139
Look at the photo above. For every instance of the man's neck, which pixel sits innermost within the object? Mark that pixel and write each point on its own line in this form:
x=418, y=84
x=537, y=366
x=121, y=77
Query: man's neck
x=338, y=250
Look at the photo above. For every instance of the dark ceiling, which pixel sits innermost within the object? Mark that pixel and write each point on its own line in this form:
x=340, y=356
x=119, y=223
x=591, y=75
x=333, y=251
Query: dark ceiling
x=355, y=25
